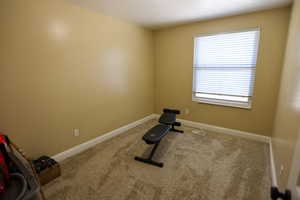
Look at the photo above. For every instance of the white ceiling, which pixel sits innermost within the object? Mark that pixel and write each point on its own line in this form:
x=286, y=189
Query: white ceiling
x=160, y=13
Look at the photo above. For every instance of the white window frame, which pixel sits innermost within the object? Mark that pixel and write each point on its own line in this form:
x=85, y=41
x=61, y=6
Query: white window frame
x=222, y=102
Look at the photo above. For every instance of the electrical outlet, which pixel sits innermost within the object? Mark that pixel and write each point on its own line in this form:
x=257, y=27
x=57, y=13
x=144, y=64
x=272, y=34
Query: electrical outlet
x=281, y=170
x=76, y=132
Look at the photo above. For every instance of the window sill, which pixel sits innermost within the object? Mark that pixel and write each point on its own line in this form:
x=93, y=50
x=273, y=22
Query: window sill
x=246, y=105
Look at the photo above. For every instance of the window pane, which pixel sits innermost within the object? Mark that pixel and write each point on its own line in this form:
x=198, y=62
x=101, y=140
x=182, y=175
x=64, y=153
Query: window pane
x=235, y=82
x=224, y=64
x=232, y=49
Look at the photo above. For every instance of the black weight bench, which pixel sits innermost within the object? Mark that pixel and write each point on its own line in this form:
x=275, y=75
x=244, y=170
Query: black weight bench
x=155, y=134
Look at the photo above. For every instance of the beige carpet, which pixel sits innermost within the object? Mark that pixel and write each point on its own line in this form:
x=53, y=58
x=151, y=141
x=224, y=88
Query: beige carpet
x=213, y=167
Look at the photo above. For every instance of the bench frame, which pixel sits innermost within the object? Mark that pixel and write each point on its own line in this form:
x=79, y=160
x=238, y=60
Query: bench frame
x=149, y=159
x=174, y=129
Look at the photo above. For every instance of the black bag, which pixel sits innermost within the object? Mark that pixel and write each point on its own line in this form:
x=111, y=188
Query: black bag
x=43, y=163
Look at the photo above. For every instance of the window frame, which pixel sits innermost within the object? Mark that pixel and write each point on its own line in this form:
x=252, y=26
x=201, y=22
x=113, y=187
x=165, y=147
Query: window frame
x=223, y=102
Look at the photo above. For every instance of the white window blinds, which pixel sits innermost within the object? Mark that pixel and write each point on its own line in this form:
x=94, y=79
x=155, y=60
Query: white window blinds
x=224, y=64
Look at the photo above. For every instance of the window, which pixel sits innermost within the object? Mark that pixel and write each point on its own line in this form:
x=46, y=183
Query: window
x=224, y=68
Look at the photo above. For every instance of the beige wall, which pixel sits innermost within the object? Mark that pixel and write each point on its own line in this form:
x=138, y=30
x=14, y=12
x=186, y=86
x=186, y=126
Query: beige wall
x=287, y=123
x=174, y=61
x=64, y=67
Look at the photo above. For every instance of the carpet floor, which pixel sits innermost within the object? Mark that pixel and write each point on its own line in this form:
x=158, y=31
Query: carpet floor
x=211, y=167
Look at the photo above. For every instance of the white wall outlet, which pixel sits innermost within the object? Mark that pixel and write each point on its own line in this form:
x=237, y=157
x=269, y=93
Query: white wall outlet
x=76, y=132
x=281, y=170
x=186, y=111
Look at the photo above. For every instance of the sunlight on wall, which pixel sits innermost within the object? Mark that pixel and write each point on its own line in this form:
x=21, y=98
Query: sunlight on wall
x=58, y=30
x=116, y=70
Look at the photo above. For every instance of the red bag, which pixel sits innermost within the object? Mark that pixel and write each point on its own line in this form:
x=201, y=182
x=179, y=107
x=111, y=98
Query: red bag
x=4, y=172
x=2, y=177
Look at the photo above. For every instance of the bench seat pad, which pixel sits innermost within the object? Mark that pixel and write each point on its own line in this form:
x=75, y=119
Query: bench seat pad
x=167, y=118
x=156, y=133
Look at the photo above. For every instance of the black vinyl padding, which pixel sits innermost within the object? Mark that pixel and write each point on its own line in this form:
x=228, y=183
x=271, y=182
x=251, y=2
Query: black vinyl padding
x=167, y=118
x=156, y=133
x=166, y=110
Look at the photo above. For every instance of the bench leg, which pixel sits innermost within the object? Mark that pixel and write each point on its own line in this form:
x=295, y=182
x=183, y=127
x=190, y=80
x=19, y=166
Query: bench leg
x=175, y=130
x=149, y=159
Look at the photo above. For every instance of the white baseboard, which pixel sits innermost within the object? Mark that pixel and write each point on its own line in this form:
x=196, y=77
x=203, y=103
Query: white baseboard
x=86, y=145
x=272, y=165
x=219, y=129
